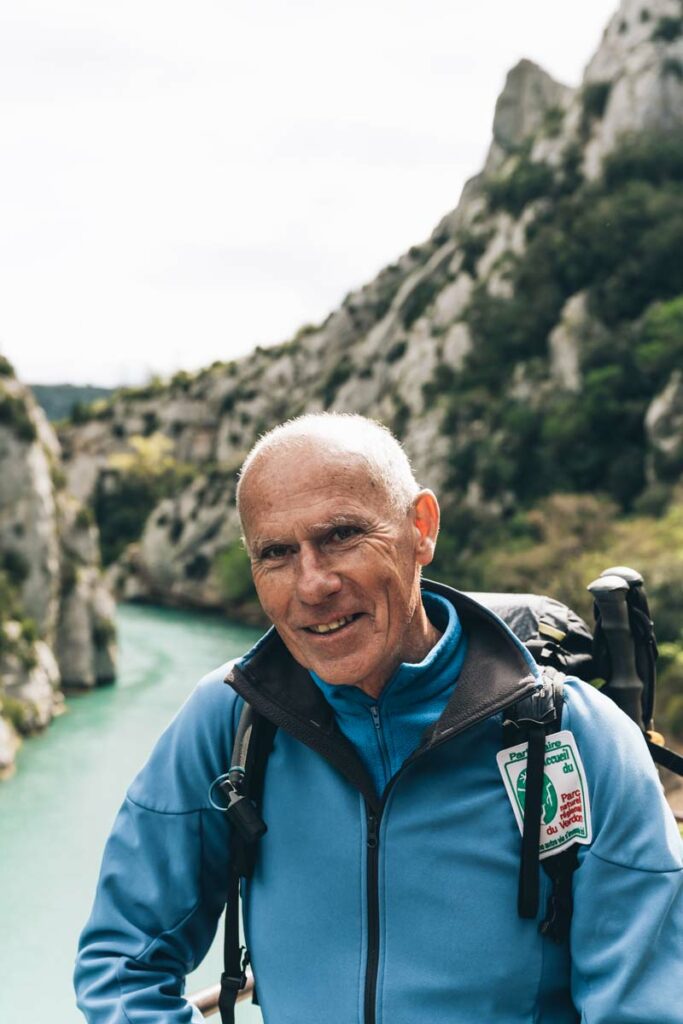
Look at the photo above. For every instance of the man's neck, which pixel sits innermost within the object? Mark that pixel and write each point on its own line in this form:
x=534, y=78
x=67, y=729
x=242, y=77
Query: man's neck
x=421, y=638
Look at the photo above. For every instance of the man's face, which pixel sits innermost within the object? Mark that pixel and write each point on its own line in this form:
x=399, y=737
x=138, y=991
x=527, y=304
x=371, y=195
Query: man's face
x=335, y=569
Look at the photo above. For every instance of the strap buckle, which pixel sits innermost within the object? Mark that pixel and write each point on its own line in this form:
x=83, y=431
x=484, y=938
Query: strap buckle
x=236, y=984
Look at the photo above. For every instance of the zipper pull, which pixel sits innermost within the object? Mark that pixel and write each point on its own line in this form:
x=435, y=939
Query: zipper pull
x=374, y=711
x=372, y=830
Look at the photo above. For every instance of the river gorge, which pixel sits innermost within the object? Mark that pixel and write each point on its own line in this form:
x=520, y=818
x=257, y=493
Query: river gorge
x=57, y=810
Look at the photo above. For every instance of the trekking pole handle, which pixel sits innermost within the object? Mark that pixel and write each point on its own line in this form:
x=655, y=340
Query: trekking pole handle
x=625, y=686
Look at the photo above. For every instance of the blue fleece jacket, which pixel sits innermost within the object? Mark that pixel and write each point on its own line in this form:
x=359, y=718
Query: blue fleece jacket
x=423, y=909
x=385, y=731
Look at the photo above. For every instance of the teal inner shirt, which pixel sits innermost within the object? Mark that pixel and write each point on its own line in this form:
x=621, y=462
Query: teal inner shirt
x=385, y=731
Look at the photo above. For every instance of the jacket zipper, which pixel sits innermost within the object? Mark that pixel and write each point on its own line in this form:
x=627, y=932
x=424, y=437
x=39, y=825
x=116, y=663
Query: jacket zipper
x=377, y=722
x=373, y=824
x=372, y=960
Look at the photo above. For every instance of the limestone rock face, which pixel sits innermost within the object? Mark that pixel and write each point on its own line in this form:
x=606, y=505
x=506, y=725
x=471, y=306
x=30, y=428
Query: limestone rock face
x=9, y=745
x=565, y=342
x=528, y=94
x=46, y=539
x=640, y=64
x=33, y=683
x=85, y=639
x=85, y=645
x=28, y=522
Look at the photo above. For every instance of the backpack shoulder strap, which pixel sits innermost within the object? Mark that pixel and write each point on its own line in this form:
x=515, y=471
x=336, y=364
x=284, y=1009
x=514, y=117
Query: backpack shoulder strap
x=244, y=789
x=531, y=720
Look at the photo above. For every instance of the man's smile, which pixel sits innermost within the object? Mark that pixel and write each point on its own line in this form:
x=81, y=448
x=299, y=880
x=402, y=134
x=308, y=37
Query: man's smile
x=332, y=625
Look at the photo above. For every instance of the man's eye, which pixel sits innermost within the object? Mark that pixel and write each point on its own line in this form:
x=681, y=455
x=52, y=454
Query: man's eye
x=342, y=533
x=274, y=552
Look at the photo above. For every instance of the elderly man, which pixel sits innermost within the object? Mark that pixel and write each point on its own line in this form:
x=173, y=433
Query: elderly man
x=385, y=888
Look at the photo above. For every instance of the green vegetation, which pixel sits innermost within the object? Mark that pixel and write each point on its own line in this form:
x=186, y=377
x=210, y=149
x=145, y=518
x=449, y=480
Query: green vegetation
x=68, y=575
x=336, y=377
x=58, y=400
x=154, y=388
x=198, y=567
x=133, y=484
x=529, y=180
x=546, y=487
x=233, y=571
x=659, y=342
x=472, y=245
x=674, y=67
x=667, y=30
x=14, y=414
x=18, y=712
x=618, y=240
x=15, y=566
x=564, y=542
x=396, y=351
x=84, y=412
x=151, y=423
x=6, y=368
x=84, y=518
x=181, y=381
x=553, y=120
x=400, y=420
x=594, y=97
x=103, y=634
x=420, y=298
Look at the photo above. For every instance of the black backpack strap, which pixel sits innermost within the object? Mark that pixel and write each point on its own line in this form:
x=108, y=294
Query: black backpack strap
x=665, y=758
x=528, y=890
x=531, y=720
x=560, y=868
x=244, y=790
x=235, y=957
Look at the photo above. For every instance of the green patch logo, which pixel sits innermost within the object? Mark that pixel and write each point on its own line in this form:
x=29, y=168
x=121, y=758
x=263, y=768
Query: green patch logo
x=550, y=801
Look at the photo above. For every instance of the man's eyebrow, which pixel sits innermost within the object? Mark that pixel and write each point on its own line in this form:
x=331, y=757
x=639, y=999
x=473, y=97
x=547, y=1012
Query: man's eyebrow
x=260, y=544
x=340, y=519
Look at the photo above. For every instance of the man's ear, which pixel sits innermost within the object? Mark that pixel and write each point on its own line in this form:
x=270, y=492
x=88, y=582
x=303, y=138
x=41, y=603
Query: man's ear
x=426, y=519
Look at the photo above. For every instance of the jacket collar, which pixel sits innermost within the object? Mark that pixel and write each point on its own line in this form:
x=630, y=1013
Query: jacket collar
x=497, y=672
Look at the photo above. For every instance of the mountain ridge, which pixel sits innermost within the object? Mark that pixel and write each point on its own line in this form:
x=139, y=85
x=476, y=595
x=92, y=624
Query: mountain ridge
x=529, y=348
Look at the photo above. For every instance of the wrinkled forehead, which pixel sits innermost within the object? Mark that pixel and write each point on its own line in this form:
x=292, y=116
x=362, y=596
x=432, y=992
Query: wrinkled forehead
x=312, y=472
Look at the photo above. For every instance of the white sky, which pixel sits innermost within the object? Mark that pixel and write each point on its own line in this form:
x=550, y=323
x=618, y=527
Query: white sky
x=182, y=181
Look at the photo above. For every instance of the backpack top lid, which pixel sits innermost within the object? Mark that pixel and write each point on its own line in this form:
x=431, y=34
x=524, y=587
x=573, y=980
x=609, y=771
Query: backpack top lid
x=554, y=634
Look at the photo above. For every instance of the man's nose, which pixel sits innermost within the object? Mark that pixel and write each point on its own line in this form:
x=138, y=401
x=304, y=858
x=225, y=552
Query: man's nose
x=316, y=579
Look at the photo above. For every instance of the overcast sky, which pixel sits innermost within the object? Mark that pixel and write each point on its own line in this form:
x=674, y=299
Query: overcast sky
x=182, y=181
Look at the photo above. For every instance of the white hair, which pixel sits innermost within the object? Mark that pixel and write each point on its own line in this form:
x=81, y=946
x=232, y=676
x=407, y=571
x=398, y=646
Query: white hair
x=386, y=460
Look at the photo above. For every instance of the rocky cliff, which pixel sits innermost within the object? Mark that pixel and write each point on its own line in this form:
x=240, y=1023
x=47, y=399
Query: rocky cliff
x=530, y=348
x=474, y=344
x=56, y=615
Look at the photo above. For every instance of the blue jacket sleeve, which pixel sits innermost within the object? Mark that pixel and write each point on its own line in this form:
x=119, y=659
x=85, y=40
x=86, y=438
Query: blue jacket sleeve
x=627, y=928
x=162, y=884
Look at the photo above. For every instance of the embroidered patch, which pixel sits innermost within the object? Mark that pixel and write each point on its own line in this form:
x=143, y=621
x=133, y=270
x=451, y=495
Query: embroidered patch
x=566, y=815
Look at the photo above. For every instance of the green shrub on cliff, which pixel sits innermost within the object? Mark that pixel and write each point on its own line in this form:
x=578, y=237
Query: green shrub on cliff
x=594, y=97
x=529, y=180
x=14, y=414
x=667, y=29
x=567, y=540
x=233, y=570
x=618, y=240
x=135, y=482
x=659, y=342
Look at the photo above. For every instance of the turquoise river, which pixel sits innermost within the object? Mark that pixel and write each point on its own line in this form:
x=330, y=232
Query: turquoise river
x=56, y=811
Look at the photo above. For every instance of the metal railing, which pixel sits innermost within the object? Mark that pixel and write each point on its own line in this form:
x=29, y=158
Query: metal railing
x=207, y=999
